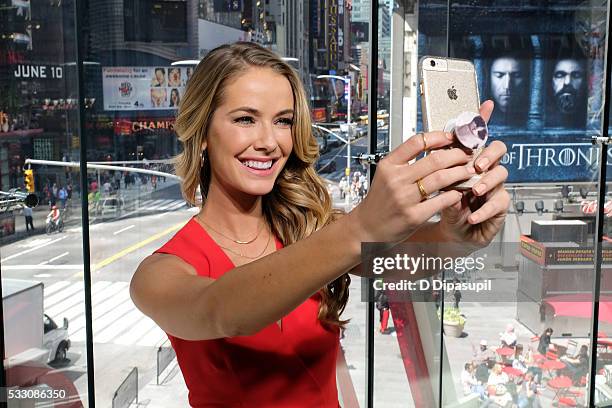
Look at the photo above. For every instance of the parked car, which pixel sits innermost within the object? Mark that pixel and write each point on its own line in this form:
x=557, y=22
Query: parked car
x=322, y=140
x=31, y=335
x=111, y=206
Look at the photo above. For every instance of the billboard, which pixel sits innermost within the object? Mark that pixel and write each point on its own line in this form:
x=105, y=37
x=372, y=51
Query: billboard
x=144, y=88
x=543, y=67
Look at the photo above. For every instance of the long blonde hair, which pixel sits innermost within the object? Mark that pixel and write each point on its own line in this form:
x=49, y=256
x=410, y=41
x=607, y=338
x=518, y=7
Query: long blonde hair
x=299, y=203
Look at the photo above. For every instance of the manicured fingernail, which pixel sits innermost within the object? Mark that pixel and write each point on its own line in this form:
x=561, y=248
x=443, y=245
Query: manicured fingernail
x=480, y=188
x=482, y=163
x=449, y=136
x=471, y=169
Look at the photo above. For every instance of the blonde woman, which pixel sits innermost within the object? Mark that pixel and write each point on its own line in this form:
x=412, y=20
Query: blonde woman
x=250, y=291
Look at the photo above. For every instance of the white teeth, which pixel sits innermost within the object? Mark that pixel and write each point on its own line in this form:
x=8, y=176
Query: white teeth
x=257, y=164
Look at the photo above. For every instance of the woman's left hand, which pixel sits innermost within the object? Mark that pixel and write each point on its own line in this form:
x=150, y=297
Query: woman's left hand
x=479, y=216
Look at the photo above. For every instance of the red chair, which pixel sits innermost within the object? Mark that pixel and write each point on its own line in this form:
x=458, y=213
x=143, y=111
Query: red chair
x=566, y=402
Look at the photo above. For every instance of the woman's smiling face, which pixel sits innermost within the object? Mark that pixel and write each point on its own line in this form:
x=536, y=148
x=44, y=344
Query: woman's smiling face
x=249, y=139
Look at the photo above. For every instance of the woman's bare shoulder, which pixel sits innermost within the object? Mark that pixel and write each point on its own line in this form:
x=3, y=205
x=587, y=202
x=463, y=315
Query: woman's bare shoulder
x=166, y=262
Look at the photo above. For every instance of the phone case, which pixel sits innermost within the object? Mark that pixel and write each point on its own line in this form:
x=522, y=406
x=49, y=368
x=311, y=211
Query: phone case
x=447, y=89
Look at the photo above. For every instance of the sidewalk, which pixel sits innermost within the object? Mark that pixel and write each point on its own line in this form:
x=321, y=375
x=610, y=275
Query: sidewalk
x=39, y=215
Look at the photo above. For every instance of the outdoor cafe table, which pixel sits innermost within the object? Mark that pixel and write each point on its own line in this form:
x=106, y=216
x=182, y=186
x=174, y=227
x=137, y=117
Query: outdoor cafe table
x=505, y=351
x=551, y=365
x=560, y=385
x=513, y=372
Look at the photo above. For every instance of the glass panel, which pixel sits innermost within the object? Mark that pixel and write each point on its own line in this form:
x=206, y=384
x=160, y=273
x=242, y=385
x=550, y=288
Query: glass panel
x=542, y=65
x=41, y=246
x=347, y=192
x=135, y=204
x=398, y=356
x=603, y=369
x=544, y=78
x=136, y=75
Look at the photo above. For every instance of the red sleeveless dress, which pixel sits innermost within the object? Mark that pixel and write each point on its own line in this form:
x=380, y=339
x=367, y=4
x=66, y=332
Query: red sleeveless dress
x=292, y=367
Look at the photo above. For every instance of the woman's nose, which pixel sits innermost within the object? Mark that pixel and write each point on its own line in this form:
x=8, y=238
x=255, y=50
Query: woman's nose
x=266, y=139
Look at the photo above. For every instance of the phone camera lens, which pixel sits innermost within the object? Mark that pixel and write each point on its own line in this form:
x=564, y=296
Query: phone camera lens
x=432, y=63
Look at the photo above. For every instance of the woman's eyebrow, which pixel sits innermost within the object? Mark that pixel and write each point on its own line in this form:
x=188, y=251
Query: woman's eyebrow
x=255, y=112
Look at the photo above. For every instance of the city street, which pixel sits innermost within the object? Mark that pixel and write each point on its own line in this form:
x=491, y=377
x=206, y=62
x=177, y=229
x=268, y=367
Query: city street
x=336, y=154
x=124, y=337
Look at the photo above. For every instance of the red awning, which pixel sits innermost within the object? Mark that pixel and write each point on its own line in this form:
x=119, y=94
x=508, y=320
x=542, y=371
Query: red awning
x=580, y=305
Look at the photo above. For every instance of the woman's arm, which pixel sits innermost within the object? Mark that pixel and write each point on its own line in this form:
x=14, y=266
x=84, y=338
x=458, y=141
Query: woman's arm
x=247, y=298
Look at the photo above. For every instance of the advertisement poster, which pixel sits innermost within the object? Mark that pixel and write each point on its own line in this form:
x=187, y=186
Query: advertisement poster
x=542, y=71
x=143, y=88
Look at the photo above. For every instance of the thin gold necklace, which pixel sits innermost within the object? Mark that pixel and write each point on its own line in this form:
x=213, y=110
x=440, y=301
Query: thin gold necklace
x=235, y=240
x=280, y=322
x=249, y=257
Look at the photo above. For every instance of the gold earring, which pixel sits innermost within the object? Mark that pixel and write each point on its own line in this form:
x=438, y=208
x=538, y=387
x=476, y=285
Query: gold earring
x=203, y=157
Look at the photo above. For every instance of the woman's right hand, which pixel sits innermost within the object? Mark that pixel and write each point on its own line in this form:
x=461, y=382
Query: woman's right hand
x=393, y=208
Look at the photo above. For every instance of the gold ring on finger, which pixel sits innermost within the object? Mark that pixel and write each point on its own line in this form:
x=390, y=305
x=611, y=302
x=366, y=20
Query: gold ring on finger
x=422, y=191
x=424, y=141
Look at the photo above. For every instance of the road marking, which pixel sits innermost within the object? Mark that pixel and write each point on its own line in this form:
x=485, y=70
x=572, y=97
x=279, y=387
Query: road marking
x=43, y=275
x=54, y=259
x=97, y=267
x=34, y=242
x=41, y=267
x=54, y=287
x=116, y=320
x=124, y=229
x=30, y=250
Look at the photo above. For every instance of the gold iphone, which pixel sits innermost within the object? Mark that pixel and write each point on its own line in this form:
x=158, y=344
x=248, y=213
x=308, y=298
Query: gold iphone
x=450, y=103
x=448, y=88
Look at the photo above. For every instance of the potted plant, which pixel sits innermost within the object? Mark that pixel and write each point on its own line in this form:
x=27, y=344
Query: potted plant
x=453, y=322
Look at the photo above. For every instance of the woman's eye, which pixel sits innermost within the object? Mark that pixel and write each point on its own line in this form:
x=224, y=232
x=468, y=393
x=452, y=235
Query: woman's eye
x=286, y=121
x=245, y=120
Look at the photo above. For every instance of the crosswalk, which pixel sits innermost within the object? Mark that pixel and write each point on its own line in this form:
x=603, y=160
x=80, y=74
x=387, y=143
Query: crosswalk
x=115, y=318
x=161, y=205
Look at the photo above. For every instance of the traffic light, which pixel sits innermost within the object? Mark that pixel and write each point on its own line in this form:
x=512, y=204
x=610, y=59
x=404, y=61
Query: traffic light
x=29, y=180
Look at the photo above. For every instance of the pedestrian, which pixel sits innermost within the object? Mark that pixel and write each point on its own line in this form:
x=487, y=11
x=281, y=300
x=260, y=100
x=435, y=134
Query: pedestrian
x=382, y=304
x=342, y=187
x=255, y=282
x=29, y=219
x=62, y=195
x=528, y=393
x=508, y=338
x=456, y=294
x=545, y=341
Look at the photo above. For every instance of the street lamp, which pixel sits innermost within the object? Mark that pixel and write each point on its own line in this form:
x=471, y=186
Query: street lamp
x=346, y=80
